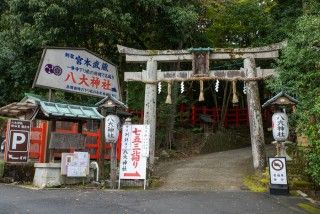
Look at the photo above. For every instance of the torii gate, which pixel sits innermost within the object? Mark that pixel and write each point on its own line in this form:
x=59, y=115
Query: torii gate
x=249, y=73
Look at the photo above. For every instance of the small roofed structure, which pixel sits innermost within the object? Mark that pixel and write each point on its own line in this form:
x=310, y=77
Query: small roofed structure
x=35, y=107
x=67, y=111
x=18, y=110
x=281, y=99
x=110, y=104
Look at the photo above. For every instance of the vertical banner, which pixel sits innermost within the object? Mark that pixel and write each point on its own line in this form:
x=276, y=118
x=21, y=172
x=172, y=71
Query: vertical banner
x=18, y=140
x=134, y=151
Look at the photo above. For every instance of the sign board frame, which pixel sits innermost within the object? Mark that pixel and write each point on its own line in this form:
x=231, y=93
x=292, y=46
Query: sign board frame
x=21, y=126
x=278, y=177
x=83, y=92
x=127, y=147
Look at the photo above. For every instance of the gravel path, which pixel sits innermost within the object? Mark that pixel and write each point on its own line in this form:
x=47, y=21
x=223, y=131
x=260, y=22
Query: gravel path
x=221, y=171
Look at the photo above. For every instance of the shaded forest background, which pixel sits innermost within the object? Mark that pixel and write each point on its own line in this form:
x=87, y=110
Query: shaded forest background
x=26, y=26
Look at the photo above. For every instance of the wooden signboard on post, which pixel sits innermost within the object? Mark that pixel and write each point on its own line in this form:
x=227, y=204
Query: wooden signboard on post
x=18, y=140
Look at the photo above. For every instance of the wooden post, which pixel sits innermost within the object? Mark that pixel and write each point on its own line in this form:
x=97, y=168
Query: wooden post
x=52, y=129
x=255, y=118
x=113, y=165
x=150, y=105
x=102, y=144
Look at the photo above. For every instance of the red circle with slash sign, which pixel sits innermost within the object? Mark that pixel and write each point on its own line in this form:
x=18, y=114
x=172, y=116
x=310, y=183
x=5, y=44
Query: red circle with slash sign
x=277, y=164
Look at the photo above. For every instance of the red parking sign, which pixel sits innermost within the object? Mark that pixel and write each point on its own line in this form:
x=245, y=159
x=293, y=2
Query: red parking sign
x=18, y=139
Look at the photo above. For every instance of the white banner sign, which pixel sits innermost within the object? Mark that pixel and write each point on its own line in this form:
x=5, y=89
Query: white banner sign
x=134, y=151
x=77, y=71
x=280, y=128
x=278, y=172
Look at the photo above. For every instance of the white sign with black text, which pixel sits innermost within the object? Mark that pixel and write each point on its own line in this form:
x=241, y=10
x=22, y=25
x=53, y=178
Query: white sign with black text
x=280, y=128
x=278, y=171
x=112, y=128
x=78, y=164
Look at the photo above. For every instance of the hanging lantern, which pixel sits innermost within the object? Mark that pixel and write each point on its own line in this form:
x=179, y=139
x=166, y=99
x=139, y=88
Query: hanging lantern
x=159, y=87
x=217, y=86
x=201, y=96
x=234, y=92
x=168, y=100
x=182, y=87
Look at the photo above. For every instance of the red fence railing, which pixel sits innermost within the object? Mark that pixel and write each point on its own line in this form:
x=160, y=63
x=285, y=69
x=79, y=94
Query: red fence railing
x=235, y=116
x=38, y=142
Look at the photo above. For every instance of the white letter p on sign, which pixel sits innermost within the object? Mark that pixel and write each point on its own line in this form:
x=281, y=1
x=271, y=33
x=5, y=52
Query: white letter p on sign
x=18, y=138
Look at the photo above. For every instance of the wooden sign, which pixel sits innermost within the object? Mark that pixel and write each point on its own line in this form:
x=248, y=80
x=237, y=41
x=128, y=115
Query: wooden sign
x=18, y=140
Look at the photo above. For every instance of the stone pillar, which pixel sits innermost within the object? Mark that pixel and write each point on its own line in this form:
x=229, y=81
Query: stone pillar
x=255, y=117
x=150, y=104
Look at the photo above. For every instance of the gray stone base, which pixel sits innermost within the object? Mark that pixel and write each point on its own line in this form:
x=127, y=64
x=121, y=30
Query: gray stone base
x=47, y=175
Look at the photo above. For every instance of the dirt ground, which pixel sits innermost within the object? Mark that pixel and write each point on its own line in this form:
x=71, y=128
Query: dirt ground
x=220, y=171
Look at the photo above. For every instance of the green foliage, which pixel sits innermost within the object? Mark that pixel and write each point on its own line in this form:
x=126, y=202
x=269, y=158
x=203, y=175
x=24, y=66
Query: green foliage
x=299, y=74
x=239, y=23
x=98, y=25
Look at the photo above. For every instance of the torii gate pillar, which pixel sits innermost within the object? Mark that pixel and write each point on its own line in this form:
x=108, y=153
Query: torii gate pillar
x=255, y=118
x=150, y=105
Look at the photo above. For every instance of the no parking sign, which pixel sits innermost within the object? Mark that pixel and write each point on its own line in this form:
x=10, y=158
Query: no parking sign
x=278, y=176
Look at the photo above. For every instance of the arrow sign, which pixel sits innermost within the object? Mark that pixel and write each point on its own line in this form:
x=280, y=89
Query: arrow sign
x=133, y=174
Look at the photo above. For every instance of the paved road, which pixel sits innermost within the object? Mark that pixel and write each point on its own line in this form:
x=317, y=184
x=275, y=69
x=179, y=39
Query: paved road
x=220, y=171
x=16, y=200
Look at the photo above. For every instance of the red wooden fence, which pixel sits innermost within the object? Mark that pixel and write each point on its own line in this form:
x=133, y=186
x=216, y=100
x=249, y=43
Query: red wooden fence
x=234, y=117
x=38, y=142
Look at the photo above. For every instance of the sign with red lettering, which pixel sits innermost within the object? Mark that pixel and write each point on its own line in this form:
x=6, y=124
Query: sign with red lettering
x=134, y=151
x=18, y=140
x=77, y=71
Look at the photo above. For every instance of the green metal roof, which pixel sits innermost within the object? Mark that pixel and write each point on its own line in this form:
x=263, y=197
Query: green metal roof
x=51, y=109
